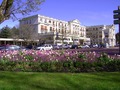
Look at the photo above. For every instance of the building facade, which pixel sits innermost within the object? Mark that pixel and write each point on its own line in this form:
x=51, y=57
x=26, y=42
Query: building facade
x=101, y=34
x=56, y=31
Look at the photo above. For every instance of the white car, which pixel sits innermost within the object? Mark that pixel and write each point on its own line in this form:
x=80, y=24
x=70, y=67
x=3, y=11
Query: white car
x=85, y=46
x=95, y=46
x=45, y=47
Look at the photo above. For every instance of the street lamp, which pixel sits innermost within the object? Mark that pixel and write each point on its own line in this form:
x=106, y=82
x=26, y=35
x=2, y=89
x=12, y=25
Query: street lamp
x=117, y=21
x=62, y=28
x=56, y=37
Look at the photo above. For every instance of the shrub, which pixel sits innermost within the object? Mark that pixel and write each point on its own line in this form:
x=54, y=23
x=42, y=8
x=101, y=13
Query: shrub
x=58, y=61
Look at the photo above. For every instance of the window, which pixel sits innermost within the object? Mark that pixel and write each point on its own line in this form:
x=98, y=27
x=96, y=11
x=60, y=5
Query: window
x=45, y=20
x=45, y=27
x=59, y=30
x=42, y=27
x=106, y=35
x=100, y=36
x=41, y=19
x=56, y=24
x=49, y=21
x=53, y=23
x=53, y=29
x=50, y=28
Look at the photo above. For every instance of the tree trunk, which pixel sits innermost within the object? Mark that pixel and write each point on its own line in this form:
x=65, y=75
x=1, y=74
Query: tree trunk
x=5, y=8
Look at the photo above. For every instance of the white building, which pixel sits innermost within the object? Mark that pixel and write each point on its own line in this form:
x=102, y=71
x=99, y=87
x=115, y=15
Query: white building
x=56, y=31
x=101, y=34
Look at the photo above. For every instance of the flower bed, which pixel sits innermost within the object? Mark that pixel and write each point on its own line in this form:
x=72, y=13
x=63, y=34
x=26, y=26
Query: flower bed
x=58, y=61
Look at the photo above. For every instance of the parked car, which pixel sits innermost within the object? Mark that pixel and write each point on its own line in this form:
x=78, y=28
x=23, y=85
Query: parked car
x=2, y=47
x=84, y=46
x=28, y=47
x=45, y=47
x=117, y=45
x=66, y=46
x=69, y=45
x=10, y=47
x=95, y=45
x=74, y=47
x=56, y=47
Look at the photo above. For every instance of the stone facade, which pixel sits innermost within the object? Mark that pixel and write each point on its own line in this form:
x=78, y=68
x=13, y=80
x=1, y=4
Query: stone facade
x=101, y=34
x=57, y=31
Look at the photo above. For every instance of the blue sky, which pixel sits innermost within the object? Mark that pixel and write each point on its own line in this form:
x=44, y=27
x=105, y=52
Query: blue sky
x=88, y=12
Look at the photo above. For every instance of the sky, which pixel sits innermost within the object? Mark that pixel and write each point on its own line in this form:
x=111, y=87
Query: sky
x=88, y=12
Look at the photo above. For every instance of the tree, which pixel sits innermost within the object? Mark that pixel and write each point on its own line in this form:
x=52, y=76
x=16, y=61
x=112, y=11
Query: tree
x=5, y=32
x=15, y=33
x=28, y=33
x=9, y=8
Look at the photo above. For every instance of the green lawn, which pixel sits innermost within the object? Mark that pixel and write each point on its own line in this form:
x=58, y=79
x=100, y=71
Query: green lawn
x=59, y=81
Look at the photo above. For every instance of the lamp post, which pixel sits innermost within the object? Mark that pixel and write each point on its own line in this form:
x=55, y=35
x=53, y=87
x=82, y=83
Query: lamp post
x=61, y=25
x=62, y=34
x=117, y=21
x=56, y=37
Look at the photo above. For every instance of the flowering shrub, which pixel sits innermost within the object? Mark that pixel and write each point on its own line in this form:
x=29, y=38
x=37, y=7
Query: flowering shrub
x=58, y=61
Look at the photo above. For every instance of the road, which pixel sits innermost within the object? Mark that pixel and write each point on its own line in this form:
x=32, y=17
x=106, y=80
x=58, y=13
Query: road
x=110, y=51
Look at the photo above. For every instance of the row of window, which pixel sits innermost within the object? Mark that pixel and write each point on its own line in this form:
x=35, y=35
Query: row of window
x=27, y=22
x=43, y=27
x=54, y=23
x=60, y=24
x=95, y=28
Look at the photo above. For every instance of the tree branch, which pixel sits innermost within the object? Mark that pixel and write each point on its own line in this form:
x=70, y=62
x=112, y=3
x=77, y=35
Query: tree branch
x=5, y=9
x=9, y=8
x=3, y=4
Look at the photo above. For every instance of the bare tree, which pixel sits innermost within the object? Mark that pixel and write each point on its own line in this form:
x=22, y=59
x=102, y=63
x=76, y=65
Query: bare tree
x=15, y=34
x=28, y=33
x=10, y=8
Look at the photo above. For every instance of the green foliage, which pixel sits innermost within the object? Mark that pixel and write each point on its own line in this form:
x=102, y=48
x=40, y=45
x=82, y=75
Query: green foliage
x=57, y=66
x=104, y=63
x=68, y=66
x=104, y=58
x=82, y=56
x=46, y=66
x=29, y=57
x=113, y=65
x=5, y=32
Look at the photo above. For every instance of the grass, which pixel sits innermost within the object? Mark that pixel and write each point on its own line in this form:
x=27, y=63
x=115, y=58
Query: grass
x=59, y=81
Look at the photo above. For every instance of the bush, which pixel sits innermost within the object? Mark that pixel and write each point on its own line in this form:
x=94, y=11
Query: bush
x=58, y=62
